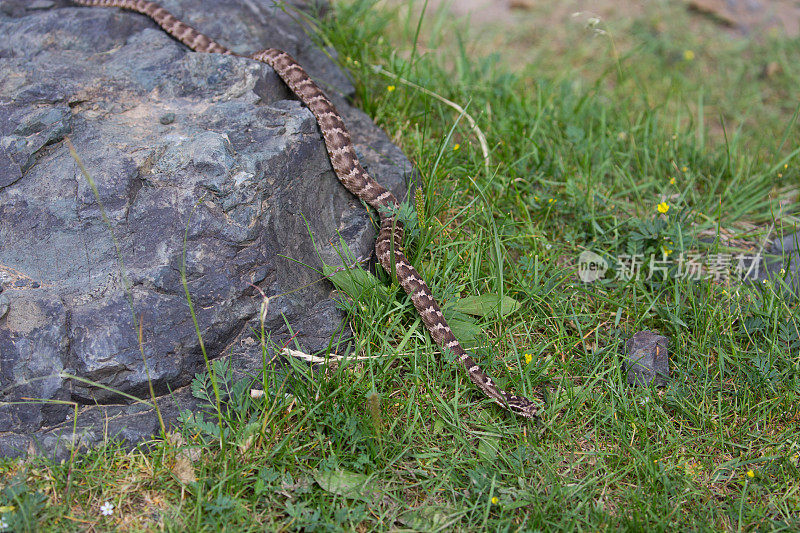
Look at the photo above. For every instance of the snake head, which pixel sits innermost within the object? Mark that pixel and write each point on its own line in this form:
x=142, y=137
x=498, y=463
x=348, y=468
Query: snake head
x=528, y=410
x=524, y=407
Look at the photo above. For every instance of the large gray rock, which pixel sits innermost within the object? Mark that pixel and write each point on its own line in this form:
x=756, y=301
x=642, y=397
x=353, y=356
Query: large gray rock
x=198, y=151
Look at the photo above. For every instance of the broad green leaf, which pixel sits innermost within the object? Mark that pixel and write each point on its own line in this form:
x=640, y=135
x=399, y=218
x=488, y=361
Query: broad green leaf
x=487, y=448
x=344, y=483
x=355, y=282
x=465, y=329
x=426, y=518
x=486, y=304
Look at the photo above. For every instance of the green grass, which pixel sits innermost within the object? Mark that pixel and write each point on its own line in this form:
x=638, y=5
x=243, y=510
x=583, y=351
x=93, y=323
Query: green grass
x=577, y=160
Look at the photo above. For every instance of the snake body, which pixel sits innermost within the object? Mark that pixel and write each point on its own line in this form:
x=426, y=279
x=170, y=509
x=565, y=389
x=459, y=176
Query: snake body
x=341, y=152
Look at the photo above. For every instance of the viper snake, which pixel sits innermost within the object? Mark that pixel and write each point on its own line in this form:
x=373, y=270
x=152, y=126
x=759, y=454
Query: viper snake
x=342, y=154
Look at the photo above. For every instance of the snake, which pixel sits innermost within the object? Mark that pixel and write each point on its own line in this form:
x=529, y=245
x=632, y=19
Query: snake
x=350, y=172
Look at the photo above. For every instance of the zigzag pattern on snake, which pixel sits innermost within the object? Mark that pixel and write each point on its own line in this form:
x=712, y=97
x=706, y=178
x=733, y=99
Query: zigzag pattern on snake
x=388, y=246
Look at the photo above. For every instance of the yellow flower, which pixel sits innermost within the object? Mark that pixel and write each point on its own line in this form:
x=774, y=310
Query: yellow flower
x=684, y=169
x=663, y=207
x=456, y=147
x=672, y=181
x=391, y=88
x=528, y=358
x=495, y=500
x=688, y=55
x=751, y=474
x=666, y=250
x=551, y=201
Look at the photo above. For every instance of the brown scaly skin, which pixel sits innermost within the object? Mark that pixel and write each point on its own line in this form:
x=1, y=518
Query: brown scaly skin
x=353, y=176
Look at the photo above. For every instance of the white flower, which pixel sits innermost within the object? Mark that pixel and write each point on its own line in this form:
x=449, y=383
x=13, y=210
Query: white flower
x=3, y=523
x=107, y=509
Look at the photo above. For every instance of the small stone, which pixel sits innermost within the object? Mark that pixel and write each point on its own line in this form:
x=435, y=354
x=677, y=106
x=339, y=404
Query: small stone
x=167, y=118
x=771, y=69
x=646, y=359
x=41, y=4
x=780, y=261
x=522, y=5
